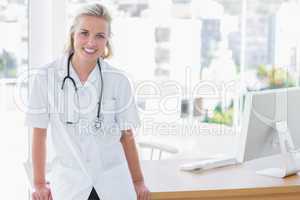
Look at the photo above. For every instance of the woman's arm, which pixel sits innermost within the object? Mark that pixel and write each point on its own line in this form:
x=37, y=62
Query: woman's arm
x=132, y=158
x=131, y=154
x=39, y=156
x=41, y=187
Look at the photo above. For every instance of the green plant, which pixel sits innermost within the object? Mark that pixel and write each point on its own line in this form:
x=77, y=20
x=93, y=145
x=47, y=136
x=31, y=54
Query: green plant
x=279, y=77
x=8, y=64
x=1, y=64
x=221, y=116
x=262, y=71
x=275, y=77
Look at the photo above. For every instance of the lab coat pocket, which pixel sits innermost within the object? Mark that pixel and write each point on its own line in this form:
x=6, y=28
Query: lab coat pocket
x=67, y=105
x=108, y=110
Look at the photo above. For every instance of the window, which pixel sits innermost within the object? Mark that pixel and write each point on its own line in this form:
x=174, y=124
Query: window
x=272, y=44
x=13, y=63
x=162, y=34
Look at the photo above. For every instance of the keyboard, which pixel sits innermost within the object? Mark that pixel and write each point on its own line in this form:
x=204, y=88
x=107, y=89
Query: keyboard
x=208, y=164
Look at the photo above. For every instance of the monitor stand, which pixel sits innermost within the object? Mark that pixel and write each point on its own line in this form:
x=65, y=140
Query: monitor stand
x=288, y=154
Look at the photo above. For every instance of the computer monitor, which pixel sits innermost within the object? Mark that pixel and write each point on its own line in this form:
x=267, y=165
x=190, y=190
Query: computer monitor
x=265, y=114
x=270, y=125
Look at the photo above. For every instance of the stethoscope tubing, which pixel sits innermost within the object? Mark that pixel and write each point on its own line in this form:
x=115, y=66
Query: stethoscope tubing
x=76, y=88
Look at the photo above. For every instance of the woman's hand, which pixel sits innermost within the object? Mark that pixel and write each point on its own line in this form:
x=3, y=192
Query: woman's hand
x=42, y=192
x=141, y=190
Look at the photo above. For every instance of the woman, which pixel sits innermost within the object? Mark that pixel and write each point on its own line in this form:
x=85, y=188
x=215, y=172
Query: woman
x=90, y=108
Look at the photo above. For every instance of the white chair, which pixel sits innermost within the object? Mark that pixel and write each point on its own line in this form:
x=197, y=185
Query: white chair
x=157, y=147
x=152, y=146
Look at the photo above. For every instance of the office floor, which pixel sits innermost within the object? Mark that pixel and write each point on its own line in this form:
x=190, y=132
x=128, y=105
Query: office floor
x=13, y=146
x=13, y=152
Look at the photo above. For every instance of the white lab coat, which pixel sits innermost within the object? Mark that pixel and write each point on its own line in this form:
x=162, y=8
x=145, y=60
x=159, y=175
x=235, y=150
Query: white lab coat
x=85, y=159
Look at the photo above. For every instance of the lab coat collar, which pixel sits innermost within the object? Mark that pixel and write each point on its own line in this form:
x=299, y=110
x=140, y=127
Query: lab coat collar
x=93, y=76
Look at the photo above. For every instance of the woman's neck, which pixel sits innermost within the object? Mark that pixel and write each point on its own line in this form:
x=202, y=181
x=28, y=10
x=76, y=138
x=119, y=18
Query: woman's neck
x=82, y=67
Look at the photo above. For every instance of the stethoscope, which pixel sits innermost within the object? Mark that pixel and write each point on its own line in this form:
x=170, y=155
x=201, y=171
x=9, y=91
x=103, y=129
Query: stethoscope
x=99, y=119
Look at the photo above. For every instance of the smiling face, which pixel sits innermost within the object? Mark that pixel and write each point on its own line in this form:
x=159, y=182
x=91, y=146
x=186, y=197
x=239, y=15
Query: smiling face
x=90, y=38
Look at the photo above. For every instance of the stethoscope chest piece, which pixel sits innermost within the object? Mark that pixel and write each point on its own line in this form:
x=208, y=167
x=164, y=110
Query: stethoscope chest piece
x=98, y=123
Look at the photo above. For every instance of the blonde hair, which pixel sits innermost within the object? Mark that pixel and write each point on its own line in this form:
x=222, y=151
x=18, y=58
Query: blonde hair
x=96, y=10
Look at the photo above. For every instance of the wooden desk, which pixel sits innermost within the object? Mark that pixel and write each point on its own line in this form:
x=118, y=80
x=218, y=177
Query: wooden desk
x=167, y=182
